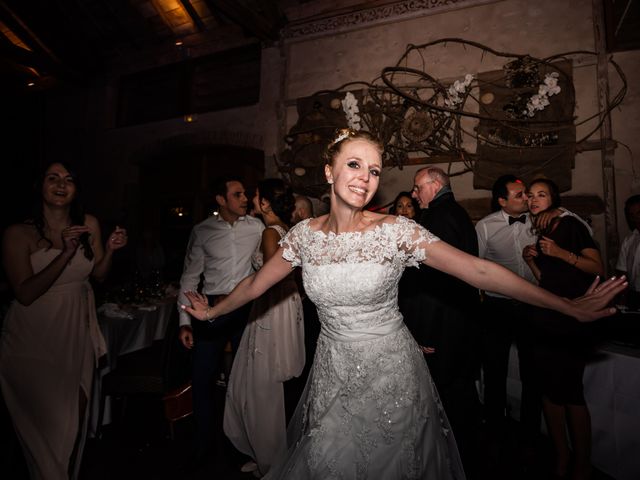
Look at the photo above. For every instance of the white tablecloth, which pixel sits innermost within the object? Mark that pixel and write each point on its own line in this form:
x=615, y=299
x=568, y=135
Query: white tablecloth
x=126, y=335
x=612, y=391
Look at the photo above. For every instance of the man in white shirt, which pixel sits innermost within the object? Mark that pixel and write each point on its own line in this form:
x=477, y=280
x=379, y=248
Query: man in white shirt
x=219, y=250
x=629, y=257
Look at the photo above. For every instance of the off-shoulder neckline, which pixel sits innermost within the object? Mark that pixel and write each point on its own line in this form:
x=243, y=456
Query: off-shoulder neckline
x=397, y=221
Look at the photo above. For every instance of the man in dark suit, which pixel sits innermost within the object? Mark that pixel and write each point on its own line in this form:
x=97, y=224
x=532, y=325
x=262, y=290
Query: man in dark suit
x=294, y=387
x=440, y=311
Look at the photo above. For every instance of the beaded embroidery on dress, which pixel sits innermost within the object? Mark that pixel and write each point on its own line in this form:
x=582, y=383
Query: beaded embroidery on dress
x=370, y=409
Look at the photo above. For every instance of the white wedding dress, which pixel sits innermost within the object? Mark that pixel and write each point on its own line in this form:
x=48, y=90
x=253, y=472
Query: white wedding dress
x=370, y=409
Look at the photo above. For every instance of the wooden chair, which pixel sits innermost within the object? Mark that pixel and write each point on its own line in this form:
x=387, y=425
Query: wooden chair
x=178, y=404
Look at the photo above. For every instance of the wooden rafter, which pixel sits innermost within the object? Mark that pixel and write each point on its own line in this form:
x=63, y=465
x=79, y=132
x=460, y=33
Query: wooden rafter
x=264, y=27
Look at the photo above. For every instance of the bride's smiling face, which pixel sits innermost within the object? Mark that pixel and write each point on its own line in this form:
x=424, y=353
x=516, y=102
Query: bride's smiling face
x=355, y=172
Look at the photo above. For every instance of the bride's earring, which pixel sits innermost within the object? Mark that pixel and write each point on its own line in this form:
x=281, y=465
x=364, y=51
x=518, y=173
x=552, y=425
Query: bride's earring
x=328, y=174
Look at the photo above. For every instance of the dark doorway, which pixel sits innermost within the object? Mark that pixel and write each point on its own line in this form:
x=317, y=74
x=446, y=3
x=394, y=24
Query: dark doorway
x=175, y=192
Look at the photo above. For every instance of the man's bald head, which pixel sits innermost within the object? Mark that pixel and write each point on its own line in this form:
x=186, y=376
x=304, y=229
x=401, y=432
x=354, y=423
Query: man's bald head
x=304, y=209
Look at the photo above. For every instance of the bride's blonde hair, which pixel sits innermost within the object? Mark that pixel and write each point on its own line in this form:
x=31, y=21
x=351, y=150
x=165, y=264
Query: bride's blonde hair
x=344, y=135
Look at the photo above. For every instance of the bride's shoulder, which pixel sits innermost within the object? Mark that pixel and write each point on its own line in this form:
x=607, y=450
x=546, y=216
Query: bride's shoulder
x=302, y=228
x=397, y=221
x=314, y=223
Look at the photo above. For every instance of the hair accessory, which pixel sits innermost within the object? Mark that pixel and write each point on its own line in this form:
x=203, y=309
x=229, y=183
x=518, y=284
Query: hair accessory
x=342, y=136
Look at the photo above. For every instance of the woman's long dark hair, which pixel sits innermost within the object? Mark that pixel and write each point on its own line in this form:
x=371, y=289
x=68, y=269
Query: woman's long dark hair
x=76, y=209
x=280, y=196
x=414, y=203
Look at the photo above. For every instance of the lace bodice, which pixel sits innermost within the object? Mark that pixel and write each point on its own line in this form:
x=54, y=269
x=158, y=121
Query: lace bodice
x=371, y=410
x=353, y=277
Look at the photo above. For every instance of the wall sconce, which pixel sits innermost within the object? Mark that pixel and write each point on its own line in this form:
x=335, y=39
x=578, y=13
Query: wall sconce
x=190, y=117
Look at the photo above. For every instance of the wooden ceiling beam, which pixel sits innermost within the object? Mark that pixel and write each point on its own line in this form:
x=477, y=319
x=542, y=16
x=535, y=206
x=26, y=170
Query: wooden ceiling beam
x=245, y=16
x=194, y=15
x=22, y=30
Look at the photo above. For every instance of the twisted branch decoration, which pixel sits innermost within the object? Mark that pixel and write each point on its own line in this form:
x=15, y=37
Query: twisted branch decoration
x=401, y=93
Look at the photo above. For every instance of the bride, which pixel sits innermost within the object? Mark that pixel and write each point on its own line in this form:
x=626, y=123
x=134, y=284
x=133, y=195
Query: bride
x=370, y=409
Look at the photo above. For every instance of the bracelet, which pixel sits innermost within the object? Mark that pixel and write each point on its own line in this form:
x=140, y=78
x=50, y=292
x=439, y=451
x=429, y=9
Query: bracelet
x=575, y=257
x=207, y=317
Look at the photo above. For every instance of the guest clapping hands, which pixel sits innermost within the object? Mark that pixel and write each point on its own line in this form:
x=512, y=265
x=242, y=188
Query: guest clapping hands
x=51, y=340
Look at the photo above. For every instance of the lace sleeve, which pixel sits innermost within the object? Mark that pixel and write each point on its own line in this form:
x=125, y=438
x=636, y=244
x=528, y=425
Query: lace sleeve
x=291, y=242
x=412, y=239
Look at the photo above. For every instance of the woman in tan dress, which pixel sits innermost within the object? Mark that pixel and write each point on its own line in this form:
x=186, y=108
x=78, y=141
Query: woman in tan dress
x=51, y=340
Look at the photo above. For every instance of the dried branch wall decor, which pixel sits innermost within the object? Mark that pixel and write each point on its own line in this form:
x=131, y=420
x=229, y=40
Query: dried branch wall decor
x=318, y=118
x=517, y=119
x=528, y=133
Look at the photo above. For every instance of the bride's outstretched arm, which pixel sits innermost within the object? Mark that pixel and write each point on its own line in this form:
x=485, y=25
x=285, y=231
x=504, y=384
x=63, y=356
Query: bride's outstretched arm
x=274, y=270
x=490, y=276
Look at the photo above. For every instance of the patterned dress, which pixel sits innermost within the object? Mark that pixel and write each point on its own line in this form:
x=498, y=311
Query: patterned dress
x=370, y=409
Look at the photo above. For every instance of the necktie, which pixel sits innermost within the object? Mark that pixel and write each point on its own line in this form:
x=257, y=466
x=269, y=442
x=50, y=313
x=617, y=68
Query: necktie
x=521, y=219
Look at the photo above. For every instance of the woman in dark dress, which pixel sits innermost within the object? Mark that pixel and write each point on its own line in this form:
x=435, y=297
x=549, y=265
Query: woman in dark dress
x=565, y=261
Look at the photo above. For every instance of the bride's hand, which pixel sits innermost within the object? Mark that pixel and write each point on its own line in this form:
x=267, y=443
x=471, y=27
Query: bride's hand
x=593, y=304
x=199, y=308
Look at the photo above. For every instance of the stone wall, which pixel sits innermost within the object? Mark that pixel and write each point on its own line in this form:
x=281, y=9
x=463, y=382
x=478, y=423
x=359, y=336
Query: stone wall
x=336, y=53
x=516, y=26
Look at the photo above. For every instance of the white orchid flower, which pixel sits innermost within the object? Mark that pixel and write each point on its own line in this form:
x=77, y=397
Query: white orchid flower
x=351, y=110
x=554, y=90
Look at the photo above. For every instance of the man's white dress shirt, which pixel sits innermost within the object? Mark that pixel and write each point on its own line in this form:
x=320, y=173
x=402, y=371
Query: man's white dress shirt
x=503, y=243
x=629, y=259
x=222, y=253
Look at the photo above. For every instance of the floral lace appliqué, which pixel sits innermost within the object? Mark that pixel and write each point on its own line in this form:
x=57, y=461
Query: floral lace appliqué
x=371, y=410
